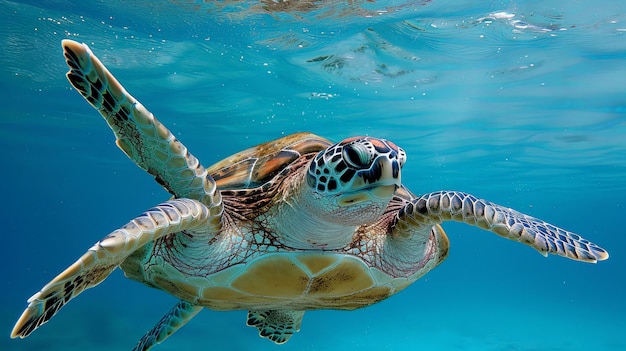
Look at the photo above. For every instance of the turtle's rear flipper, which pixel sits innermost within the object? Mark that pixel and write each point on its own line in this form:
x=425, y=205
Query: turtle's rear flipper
x=178, y=316
x=276, y=325
x=99, y=261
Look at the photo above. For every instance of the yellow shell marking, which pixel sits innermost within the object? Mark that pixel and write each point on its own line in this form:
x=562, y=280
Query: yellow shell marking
x=291, y=281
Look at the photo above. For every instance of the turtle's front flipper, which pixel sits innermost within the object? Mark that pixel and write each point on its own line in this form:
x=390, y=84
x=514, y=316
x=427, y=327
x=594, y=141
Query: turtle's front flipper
x=276, y=325
x=94, y=266
x=178, y=316
x=141, y=136
x=546, y=238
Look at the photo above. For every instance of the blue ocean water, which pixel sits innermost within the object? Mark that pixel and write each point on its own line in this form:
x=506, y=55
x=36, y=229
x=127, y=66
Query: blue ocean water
x=519, y=102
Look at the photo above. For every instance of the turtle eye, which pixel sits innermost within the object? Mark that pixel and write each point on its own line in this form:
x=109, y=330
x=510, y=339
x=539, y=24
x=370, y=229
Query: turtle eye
x=356, y=156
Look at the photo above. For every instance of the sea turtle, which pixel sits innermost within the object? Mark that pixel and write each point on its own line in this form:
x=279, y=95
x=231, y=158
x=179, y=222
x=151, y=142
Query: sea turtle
x=295, y=224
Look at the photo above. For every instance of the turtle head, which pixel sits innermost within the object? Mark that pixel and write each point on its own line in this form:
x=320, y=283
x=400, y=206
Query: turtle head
x=355, y=179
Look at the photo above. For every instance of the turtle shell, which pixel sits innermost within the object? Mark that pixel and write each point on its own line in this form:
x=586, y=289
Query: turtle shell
x=296, y=280
x=258, y=165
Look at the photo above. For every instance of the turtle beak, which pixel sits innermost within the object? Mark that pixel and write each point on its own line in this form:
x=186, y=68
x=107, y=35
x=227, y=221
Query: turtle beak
x=376, y=184
x=382, y=193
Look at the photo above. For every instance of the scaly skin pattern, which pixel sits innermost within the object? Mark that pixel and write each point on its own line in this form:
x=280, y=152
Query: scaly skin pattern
x=291, y=225
x=100, y=260
x=138, y=134
x=544, y=237
x=182, y=313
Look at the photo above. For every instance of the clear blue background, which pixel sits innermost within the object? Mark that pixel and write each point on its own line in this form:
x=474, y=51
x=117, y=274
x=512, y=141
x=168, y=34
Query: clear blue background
x=519, y=102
